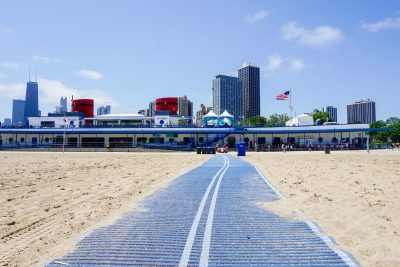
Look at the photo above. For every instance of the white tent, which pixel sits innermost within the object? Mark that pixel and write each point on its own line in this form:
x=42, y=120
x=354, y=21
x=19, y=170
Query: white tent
x=301, y=120
x=210, y=114
x=225, y=114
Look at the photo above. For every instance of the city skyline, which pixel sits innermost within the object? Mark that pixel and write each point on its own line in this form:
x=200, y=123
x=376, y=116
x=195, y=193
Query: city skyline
x=342, y=54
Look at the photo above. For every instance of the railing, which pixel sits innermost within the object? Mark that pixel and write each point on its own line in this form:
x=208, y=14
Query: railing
x=110, y=146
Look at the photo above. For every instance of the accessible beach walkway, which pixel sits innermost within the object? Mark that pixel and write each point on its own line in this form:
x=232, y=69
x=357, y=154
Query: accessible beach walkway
x=208, y=216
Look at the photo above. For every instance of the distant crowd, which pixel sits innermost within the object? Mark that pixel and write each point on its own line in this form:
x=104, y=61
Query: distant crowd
x=395, y=146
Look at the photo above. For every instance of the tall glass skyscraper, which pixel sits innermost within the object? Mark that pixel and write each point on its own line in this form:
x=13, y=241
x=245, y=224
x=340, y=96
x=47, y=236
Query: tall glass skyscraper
x=18, y=111
x=31, y=100
x=228, y=95
x=361, y=112
x=250, y=77
x=332, y=113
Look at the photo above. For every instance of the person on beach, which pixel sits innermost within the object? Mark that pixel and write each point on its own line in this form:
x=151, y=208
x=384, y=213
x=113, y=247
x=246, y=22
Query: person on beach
x=309, y=146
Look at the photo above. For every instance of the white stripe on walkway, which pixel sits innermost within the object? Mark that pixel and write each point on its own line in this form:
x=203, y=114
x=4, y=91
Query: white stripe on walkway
x=189, y=242
x=205, y=251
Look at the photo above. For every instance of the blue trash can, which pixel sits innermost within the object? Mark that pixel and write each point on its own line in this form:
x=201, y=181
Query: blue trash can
x=208, y=150
x=241, y=149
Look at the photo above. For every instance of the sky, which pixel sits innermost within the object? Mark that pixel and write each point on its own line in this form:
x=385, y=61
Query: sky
x=127, y=53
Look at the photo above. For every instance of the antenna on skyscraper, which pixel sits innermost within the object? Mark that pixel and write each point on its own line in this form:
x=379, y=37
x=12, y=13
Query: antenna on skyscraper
x=29, y=74
x=36, y=74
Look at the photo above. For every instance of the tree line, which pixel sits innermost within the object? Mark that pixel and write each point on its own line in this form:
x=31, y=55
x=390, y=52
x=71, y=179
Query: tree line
x=386, y=136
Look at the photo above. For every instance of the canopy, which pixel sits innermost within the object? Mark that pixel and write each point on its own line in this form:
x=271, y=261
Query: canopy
x=226, y=114
x=210, y=114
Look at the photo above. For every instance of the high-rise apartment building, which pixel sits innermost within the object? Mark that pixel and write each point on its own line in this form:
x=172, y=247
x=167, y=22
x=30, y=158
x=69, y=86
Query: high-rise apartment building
x=332, y=113
x=185, y=106
x=103, y=110
x=250, y=77
x=18, y=111
x=228, y=95
x=200, y=114
x=31, y=100
x=361, y=112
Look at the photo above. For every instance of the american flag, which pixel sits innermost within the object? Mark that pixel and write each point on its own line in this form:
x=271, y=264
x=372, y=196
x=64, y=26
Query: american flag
x=283, y=96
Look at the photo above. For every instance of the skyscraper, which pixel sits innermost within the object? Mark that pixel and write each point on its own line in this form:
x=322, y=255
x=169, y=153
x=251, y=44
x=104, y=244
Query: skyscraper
x=31, y=100
x=332, y=112
x=250, y=77
x=185, y=106
x=63, y=107
x=18, y=111
x=361, y=112
x=228, y=95
x=63, y=104
x=7, y=122
x=103, y=110
x=200, y=113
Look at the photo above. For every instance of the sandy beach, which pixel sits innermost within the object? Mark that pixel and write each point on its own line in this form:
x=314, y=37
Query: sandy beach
x=353, y=196
x=50, y=200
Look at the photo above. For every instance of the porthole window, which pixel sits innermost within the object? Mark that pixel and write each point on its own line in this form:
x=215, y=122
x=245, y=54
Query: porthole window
x=320, y=139
x=22, y=139
x=201, y=139
x=246, y=139
x=46, y=139
x=171, y=140
x=334, y=140
x=10, y=139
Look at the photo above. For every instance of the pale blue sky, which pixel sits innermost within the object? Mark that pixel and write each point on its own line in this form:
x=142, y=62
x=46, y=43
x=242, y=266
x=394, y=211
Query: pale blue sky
x=129, y=52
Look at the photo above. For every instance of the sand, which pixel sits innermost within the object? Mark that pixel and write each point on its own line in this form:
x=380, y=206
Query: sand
x=50, y=200
x=353, y=196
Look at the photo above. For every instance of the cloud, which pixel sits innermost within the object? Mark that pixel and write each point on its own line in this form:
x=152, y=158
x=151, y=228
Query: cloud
x=297, y=65
x=11, y=65
x=46, y=60
x=50, y=92
x=274, y=62
x=90, y=74
x=12, y=90
x=277, y=63
x=318, y=37
x=385, y=24
x=260, y=15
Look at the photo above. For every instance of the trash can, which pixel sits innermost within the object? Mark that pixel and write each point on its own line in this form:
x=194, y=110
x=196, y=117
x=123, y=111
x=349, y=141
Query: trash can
x=213, y=150
x=203, y=150
x=327, y=150
x=208, y=150
x=198, y=149
x=241, y=149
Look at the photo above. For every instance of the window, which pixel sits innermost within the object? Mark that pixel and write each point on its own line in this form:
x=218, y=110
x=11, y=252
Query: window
x=201, y=139
x=46, y=139
x=334, y=140
x=10, y=140
x=22, y=139
x=320, y=139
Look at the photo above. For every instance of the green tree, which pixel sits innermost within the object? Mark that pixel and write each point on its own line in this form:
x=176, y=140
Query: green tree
x=277, y=120
x=255, y=121
x=323, y=116
x=379, y=136
x=393, y=121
